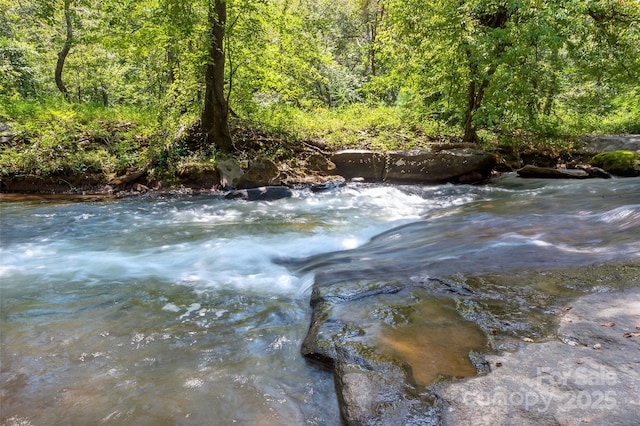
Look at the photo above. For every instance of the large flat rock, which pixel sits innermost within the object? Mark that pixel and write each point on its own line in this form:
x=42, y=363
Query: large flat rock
x=610, y=143
x=590, y=375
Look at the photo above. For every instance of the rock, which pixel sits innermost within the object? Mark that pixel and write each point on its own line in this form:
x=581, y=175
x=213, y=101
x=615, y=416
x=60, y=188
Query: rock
x=373, y=387
x=598, y=144
x=321, y=164
x=595, y=172
x=328, y=185
x=6, y=134
x=530, y=171
x=591, y=375
x=130, y=176
x=375, y=390
x=353, y=163
x=261, y=172
x=442, y=166
x=230, y=173
x=419, y=166
x=621, y=163
x=265, y=193
x=198, y=175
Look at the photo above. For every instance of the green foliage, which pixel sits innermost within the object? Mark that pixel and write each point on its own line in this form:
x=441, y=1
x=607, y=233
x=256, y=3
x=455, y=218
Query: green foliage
x=383, y=74
x=624, y=163
x=53, y=138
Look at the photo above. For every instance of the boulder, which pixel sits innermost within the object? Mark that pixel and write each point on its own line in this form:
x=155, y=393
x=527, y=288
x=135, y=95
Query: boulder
x=452, y=165
x=589, y=375
x=328, y=185
x=320, y=164
x=419, y=166
x=530, y=171
x=353, y=163
x=261, y=172
x=621, y=163
x=373, y=387
x=609, y=143
x=265, y=193
x=230, y=173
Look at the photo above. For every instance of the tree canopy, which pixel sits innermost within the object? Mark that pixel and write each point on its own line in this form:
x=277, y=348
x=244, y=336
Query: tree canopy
x=503, y=65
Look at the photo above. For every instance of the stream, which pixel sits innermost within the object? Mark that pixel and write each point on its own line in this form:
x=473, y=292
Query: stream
x=167, y=309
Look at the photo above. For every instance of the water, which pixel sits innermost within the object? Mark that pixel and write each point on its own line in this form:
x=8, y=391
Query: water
x=191, y=310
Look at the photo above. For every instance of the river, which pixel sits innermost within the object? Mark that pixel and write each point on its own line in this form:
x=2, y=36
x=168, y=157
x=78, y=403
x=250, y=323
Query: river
x=170, y=309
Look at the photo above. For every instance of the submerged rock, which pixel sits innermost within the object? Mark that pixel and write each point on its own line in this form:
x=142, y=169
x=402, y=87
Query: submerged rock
x=264, y=193
x=591, y=374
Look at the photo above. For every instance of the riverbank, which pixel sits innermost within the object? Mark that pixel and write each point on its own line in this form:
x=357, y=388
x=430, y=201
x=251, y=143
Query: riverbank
x=83, y=149
x=308, y=164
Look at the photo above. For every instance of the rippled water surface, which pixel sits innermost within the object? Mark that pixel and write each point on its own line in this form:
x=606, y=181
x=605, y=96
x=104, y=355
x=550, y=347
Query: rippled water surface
x=191, y=310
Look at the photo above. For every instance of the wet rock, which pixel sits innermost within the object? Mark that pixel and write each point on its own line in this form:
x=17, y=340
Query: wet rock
x=530, y=171
x=353, y=163
x=261, y=172
x=230, y=173
x=442, y=166
x=373, y=387
x=374, y=390
x=591, y=374
x=595, y=172
x=265, y=193
x=621, y=163
x=328, y=185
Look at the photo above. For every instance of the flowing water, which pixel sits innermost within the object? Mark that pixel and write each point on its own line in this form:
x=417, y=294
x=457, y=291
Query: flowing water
x=192, y=309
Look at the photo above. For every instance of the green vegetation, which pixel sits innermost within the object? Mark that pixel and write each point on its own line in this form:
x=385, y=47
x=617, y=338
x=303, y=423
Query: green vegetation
x=97, y=87
x=623, y=163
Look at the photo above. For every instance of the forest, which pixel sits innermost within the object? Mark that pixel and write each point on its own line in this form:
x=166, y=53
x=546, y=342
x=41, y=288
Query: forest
x=98, y=86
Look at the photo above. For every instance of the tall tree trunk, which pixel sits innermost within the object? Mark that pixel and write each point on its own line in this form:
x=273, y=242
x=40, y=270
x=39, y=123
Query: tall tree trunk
x=62, y=55
x=475, y=94
x=215, y=113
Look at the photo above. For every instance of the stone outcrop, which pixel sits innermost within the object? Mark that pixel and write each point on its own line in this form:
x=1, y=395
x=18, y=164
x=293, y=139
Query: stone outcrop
x=352, y=163
x=590, y=375
x=608, y=143
x=320, y=164
x=261, y=172
x=373, y=387
x=451, y=165
x=463, y=165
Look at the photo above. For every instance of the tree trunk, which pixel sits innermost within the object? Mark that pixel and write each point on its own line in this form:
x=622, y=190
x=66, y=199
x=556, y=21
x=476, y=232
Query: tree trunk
x=62, y=55
x=215, y=113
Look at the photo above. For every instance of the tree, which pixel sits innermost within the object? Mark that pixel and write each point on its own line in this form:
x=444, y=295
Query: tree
x=215, y=112
x=66, y=47
x=489, y=61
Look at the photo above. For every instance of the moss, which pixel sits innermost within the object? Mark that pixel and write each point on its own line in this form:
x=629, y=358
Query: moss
x=622, y=163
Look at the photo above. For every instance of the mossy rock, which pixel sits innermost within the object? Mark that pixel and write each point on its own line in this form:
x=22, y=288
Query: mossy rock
x=621, y=163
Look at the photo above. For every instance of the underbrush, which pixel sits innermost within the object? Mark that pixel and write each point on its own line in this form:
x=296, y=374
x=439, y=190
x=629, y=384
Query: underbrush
x=55, y=138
